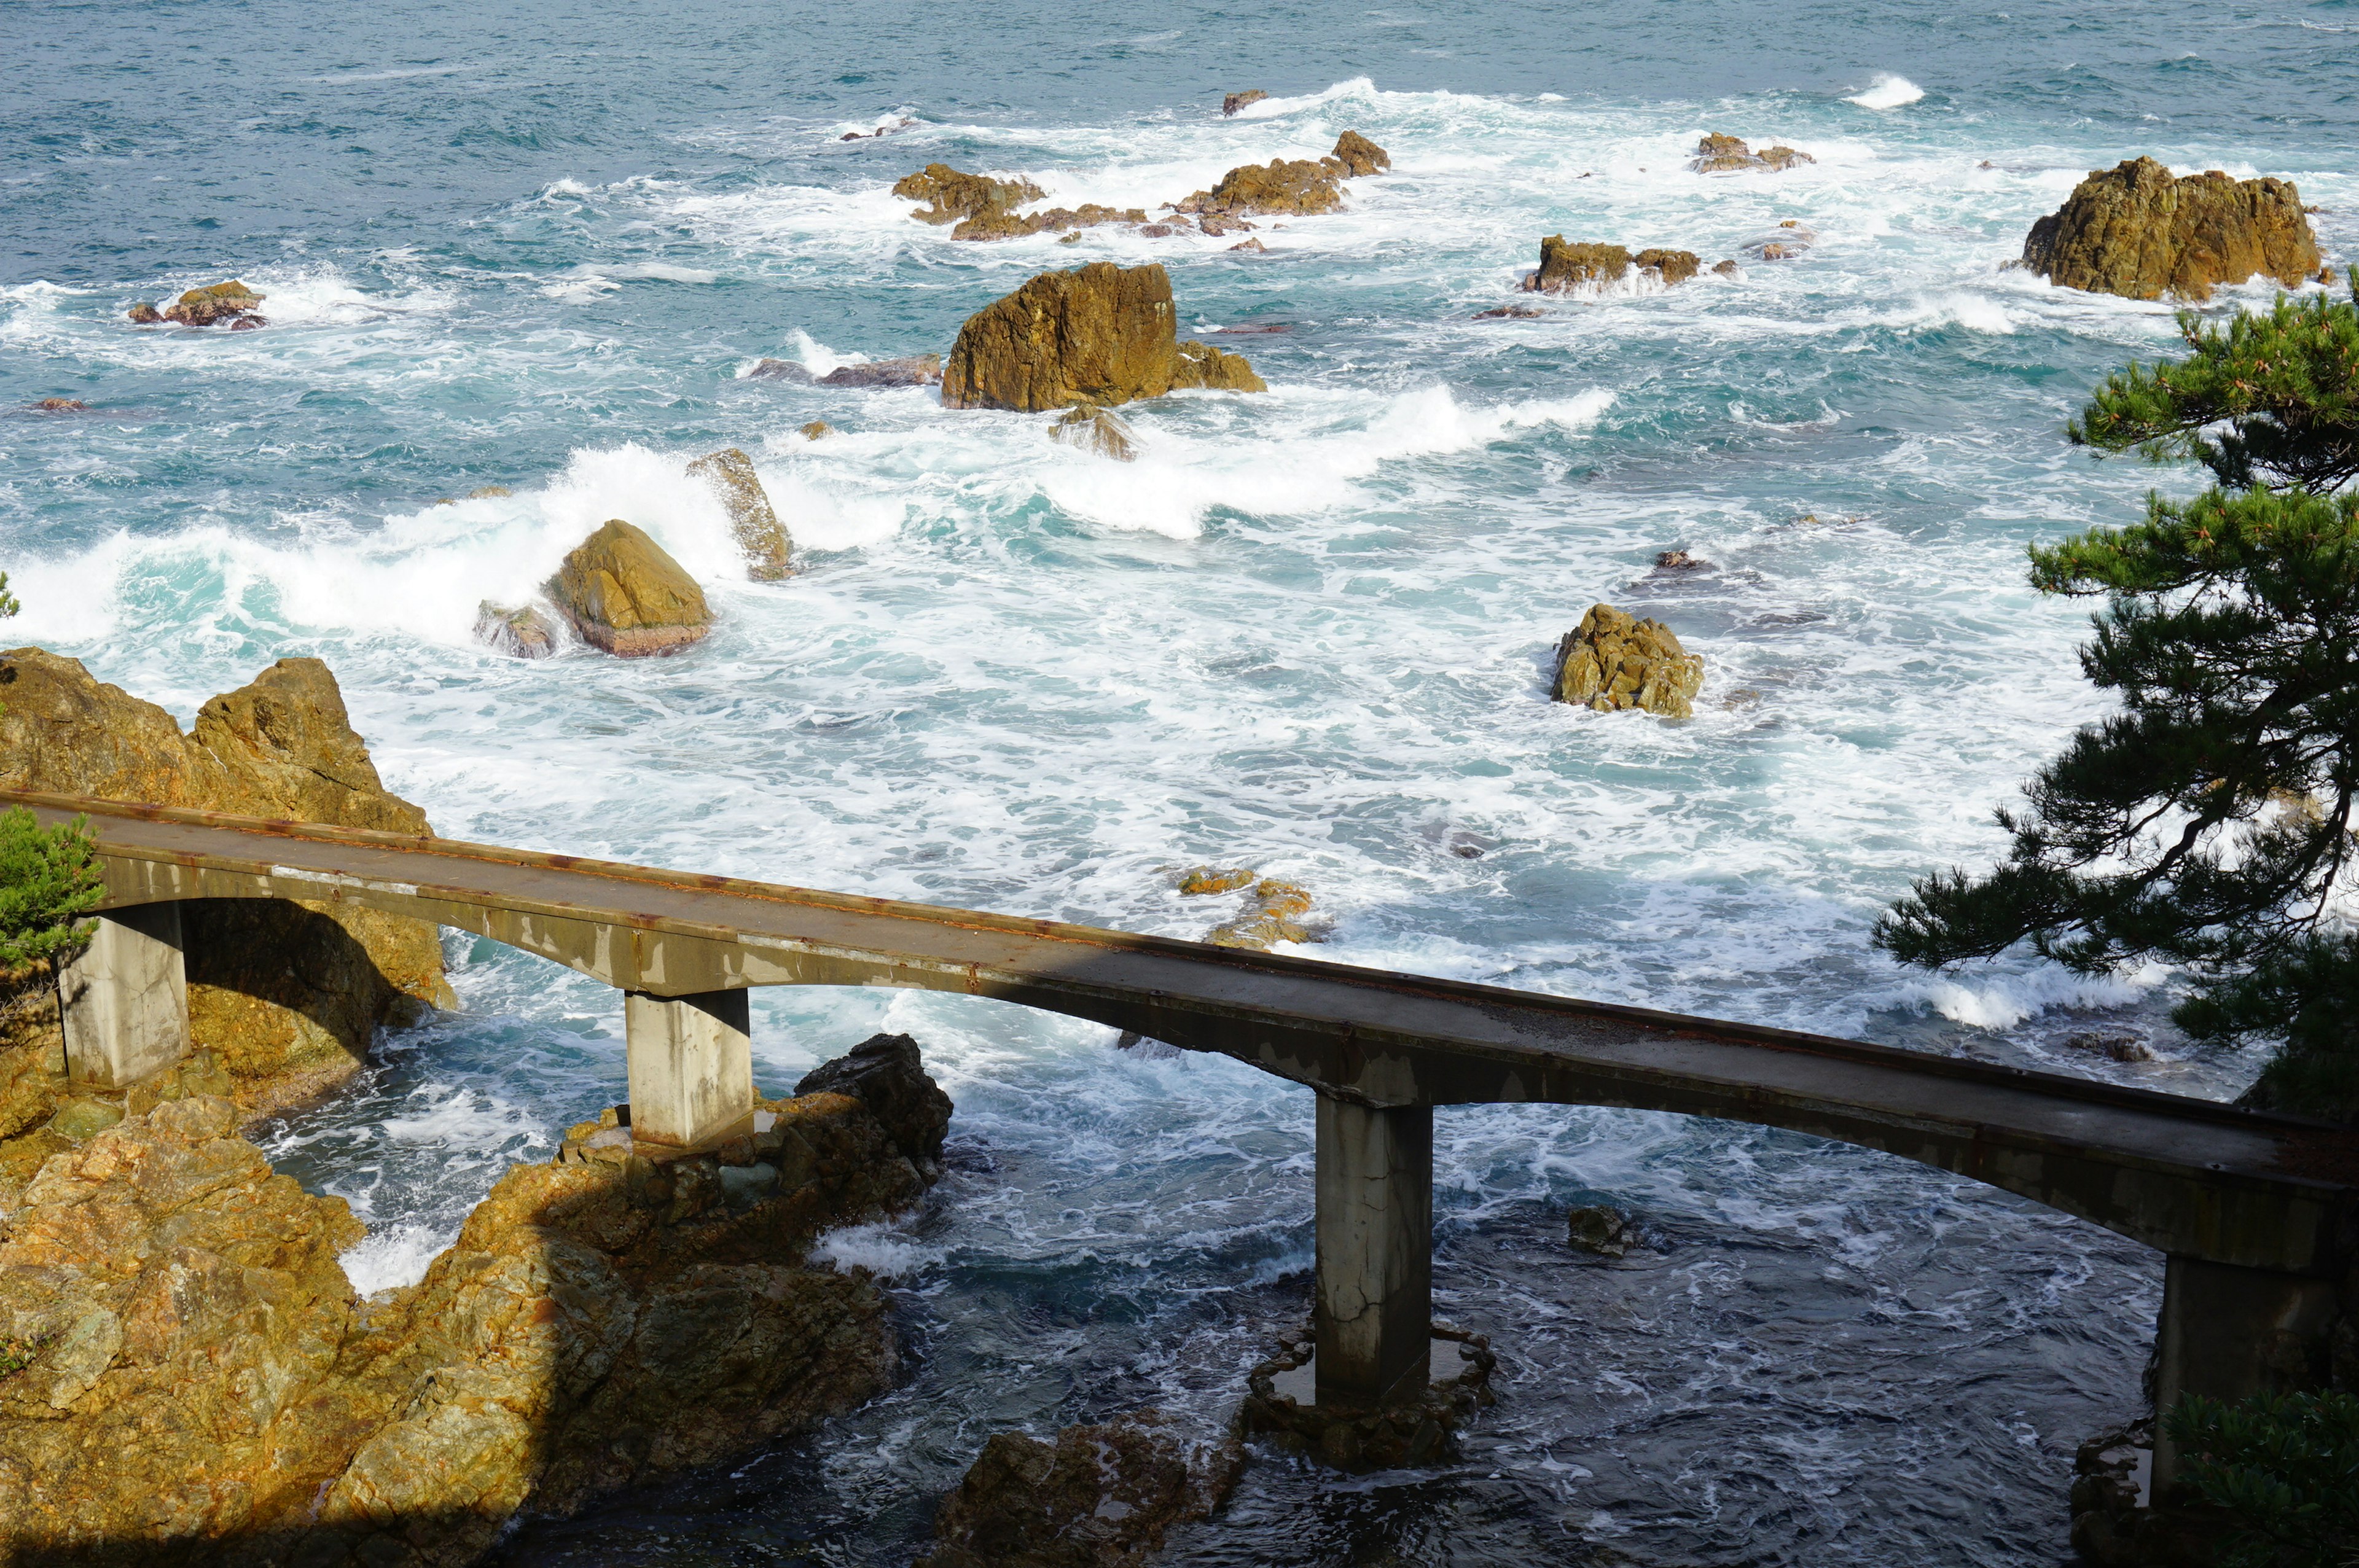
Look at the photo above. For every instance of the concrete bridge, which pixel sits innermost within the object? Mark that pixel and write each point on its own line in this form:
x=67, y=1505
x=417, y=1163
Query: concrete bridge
x=2258, y=1215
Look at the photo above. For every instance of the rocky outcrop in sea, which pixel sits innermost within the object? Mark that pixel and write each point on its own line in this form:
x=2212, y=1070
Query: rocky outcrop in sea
x=284, y=997
x=1101, y=334
x=231, y=302
x=623, y=593
x=1613, y=660
x=1718, y=154
x=1568, y=268
x=759, y=533
x=195, y=1381
x=2138, y=231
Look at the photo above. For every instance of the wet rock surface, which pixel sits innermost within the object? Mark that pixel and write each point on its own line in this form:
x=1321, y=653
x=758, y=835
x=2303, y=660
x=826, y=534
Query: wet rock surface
x=1718, y=154
x=1281, y=1402
x=1236, y=101
x=1099, y=1496
x=1567, y=268
x=520, y=631
x=232, y=301
x=759, y=533
x=1272, y=912
x=2138, y=231
x=624, y=594
x=1096, y=431
x=912, y=369
x=887, y=1074
x=949, y=195
x=1613, y=660
x=286, y=995
x=1600, y=1228
x=202, y=1386
x=1101, y=335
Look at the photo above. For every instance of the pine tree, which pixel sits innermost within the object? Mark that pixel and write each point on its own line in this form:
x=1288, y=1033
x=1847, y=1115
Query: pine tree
x=2283, y=1467
x=48, y=880
x=2209, y=822
x=8, y=605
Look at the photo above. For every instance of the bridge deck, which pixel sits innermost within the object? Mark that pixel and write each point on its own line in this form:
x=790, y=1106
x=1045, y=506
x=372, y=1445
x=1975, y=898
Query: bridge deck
x=2192, y=1177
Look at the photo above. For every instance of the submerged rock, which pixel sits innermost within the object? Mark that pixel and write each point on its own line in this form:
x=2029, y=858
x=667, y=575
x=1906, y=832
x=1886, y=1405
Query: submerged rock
x=2119, y=1043
x=60, y=405
x=1567, y=268
x=1096, y=431
x=1612, y=660
x=1717, y=154
x=952, y=196
x=1236, y=101
x=1100, y=334
x=1600, y=1228
x=249, y=324
x=1680, y=561
x=816, y=429
x=144, y=313
x=1199, y=881
x=780, y=370
x=1099, y=1497
x=1510, y=313
x=1281, y=1399
x=916, y=370
x=520, y=630
x=622, y=594
x=758, y=532
x=205, y=307
x=201, y=1384
x=286, y=996
x=2137, y=230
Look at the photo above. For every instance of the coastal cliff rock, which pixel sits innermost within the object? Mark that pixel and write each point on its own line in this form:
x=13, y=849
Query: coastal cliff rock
x=1099, y=1497
x=624, y=594
x=1565, y=268
x=1717, y=154
x=759, y=532
x=1100, y=334
x=286, y=995
x=1613, y=660
x=2137, y=230
x=199, y=1384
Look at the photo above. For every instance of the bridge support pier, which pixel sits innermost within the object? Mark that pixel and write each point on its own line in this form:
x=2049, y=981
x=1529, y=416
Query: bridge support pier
x=2229, y=1332
x=125, y=999
x=690, y=1064
x=1374, y=1308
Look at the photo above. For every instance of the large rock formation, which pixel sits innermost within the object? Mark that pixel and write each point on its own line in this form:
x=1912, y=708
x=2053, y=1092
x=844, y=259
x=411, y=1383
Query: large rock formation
x=952, y=196
x=287, y=996
x=1613, y=660
x=1098, y=1496
x=759, y=532
x=2134, y=229
x=201, y=1385
x=624, y=594
x=1565, y=268
x=1100, y=334
x=1294, y=186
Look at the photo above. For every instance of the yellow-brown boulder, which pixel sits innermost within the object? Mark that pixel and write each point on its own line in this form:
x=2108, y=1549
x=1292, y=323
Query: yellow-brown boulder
x=624, y=594
x=1613, y=660
x=1100, y=334
x=2138, y=231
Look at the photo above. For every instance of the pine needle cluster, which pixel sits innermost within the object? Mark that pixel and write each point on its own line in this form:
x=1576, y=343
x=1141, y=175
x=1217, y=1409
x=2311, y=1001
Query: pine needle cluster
x=48, y=880
x=2209, y=822
x=2285, y=1466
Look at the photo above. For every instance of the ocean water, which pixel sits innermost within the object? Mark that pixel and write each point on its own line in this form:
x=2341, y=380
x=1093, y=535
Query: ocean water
x=537, y=246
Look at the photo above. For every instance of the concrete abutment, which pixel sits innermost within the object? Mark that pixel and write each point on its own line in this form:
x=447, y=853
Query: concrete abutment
x=691, y=1064
x=124, y=1000
x=1373, y=1312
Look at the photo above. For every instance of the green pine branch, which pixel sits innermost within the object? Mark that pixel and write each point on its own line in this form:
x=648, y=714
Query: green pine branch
x=49, y=879
x=2285, y=1468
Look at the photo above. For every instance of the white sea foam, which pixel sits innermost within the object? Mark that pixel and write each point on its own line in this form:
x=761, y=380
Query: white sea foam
x=397, y=1256
x=1887, y=91
x=878, y=1249
x=2003, y=1000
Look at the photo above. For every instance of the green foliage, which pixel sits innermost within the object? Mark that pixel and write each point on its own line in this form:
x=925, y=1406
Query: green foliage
x=8, y=605
x=2285, y=1467
x=16, y=1354
x=2264, y=401
x=2209, y=821
x=48, y=880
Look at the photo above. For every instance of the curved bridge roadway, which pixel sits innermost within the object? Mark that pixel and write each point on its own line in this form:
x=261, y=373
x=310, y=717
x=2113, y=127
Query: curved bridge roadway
x=2256, y=1212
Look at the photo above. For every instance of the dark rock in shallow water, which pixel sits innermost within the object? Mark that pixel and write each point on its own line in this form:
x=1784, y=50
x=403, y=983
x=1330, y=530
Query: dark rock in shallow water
x=1600, y=1228
x=2137, y=230
x=1099, y=1497
x=1282, y=1400
x=1680, y=561
x=917, y=369
x=144, y=313
x=1236, y=101
x=2119, y=1043
x=780, y=370
x=886, y=1074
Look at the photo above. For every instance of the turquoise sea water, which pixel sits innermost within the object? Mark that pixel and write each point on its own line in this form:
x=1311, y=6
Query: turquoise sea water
x=537, y=246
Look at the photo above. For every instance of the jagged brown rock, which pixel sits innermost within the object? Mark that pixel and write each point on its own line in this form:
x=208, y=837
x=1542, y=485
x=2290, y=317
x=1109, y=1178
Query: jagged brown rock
x=998, y=224
x=623, y=593
x=520, y=631
x=144, y=313
x=1101, y=1495
x=2137, y=230
x=287, y=996
x=228, y=301
x=756, y=526
x=915, y=369
x=887, y=1073
x=817, y=429
x=1566, y=267
x=952, y=196
x=1613, y=660
x=1100, y=334
x=1096, y=431
x=1236, y=101
x=1292, y=185
x=1718, y=154
x=203, y=1386
x=1359, y=155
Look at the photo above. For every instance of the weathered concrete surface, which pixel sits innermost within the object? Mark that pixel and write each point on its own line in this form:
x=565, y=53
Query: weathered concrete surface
x=2189, y=1177
x=126, y=998
x=691, y=1066
x=1374, y=1301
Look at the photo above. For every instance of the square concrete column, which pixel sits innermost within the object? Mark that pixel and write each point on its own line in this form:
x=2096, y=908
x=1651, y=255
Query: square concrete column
x=2228, y=1334
x=125, y=999
x=1375, y=1307
x=691, y=1064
